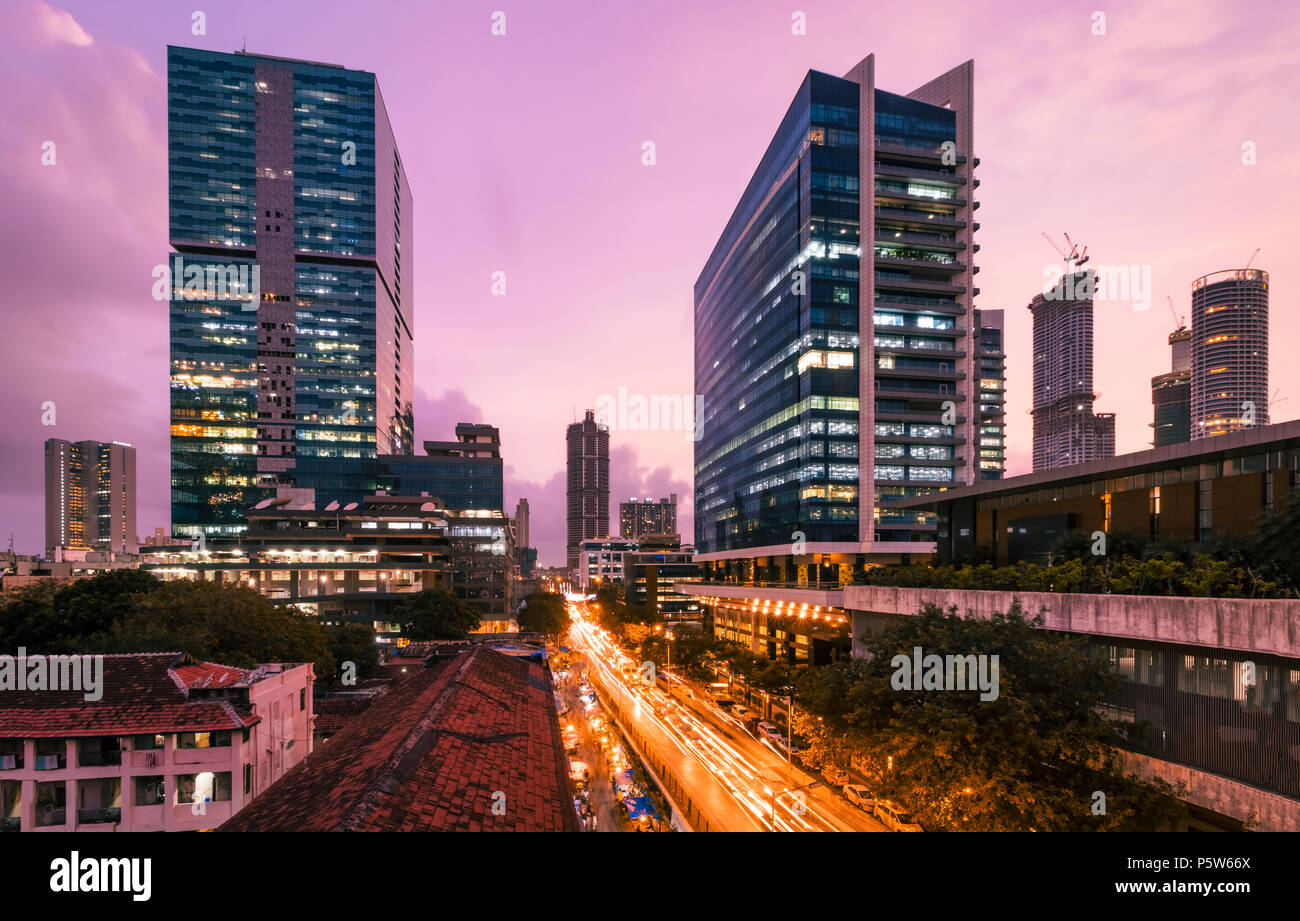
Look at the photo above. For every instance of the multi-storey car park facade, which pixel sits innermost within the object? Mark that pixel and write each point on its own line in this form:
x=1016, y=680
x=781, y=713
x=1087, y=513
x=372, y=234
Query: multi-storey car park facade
x=291, y=317
x=1229, y=352
x=805, y=447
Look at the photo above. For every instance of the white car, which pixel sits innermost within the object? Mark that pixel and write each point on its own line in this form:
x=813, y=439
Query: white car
x=860, y=796
x=895, y=817
x=773, y=735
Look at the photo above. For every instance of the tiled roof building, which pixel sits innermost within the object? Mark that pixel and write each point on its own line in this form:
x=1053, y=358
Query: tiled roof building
x=467, y=744
x=171, y=744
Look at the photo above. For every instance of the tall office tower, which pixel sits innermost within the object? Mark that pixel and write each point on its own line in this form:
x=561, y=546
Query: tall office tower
x=991, y=363
x=1066, y=430
x=650, y=516
x=90, y=496
x=588, y=484
x=858, y=219
x=1229, y=352
x=521, y=523
x=1171, y=393
x=291, y=307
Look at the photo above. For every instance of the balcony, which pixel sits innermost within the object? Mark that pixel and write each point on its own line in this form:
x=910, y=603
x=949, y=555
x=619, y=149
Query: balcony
x=922, y=219
x=943, y=174
x=931, y=265
x=886, y=235
x=939, y=286
x=108, y=815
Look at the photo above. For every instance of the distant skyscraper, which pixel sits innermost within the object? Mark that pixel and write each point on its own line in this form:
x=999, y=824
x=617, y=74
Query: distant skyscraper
x=291, y=319
x=991, y=363
x=90, y=496
x=832, y=328
x=1229, y=352
x=521, y=523
x=1066, y=430
x=637, y=517
x=1171, y=393
x=588, y=484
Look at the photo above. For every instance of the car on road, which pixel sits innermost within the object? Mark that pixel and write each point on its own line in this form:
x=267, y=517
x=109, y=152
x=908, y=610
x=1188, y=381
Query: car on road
x=860, y=796
x=894, y=817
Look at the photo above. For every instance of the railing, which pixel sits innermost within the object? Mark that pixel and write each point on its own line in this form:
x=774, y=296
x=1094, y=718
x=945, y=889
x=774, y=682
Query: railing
x=99, y=816
x=828, y=585
x=96, y=759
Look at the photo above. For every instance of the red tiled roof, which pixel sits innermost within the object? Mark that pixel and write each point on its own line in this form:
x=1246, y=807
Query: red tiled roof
x=333, y=713
x=429, y=756
x=142, y=694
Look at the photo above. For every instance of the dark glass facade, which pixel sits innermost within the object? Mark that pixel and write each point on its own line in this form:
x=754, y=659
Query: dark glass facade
x=776, y=339
x=780, y=307
x=289, y=168
x=461, y=483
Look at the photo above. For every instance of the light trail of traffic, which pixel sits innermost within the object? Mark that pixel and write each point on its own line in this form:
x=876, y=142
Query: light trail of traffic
x=739, y=776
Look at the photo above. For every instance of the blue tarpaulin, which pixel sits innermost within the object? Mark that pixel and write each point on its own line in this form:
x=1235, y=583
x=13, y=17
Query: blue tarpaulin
x=638, y=806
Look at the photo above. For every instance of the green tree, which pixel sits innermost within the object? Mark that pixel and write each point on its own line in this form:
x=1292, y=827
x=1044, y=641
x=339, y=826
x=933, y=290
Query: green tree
x=1030, y=759
x=52, y=617
x=349, y=642
x=232, y=625
x=435, y=615
x=544, y=613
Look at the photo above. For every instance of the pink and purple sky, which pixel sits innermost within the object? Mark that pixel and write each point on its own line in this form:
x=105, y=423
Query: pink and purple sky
x=524, y=155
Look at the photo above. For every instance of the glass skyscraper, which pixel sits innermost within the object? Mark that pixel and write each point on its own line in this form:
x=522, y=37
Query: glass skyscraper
x=290, y=293
x=858, y=219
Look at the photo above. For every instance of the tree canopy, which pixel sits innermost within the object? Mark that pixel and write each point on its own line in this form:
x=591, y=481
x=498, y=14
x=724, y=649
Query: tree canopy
x=544, y=613
x=126, y=611
x=1030, y=759
x=435, y=615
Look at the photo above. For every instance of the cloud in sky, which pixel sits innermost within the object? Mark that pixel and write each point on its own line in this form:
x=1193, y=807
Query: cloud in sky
x=524, y=156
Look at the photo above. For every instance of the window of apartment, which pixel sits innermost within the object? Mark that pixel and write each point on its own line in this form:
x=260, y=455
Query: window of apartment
x=11, y=754
x=205, y=787
x=219, y=739
x=302, y=699
x=51, y=754
x=51, y=804
x=149, y=791
x=248, y=780
x=148, y=742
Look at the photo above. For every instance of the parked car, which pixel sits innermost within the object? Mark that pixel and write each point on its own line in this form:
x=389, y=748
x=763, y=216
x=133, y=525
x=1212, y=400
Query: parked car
x=742, y=713
x=835, y=774
x=860, y=796
x=894, y=817
x=769, y=732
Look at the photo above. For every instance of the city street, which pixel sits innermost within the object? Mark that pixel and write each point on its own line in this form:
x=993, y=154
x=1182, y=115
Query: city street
x=737, y=782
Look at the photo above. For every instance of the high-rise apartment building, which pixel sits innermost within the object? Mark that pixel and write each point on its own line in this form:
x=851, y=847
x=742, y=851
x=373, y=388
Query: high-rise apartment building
x=647, y=516
x=290, y=289
x=991, y=365
x=588, y=484
x=1229, y=352
x=1066, y=430
x=89, y=496
x=522, y=524
x=1171, y=393
x=859, y=218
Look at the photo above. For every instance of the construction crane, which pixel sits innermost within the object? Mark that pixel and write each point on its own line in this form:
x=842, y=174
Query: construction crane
x=1071, y=257
x=1181, y=321
x=1253, y=255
